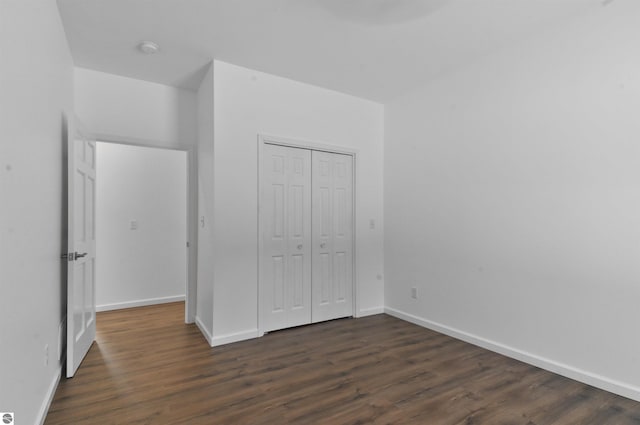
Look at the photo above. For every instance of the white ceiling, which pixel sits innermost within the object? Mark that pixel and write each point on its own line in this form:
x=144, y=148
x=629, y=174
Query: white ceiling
x=375, y=49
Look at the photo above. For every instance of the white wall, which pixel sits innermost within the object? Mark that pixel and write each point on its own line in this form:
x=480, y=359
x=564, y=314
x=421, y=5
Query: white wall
x=145, y=265
x=512, y=201
x=248, y=103
x=204, y=315
x=36, y=92
x=121, y=106
x=127, y=110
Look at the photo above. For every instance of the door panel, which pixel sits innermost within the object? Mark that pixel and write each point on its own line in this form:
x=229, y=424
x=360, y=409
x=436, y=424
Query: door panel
x=298, y=270
x=285, y=293
x=81, y=311
x=339, y=277
x=322, y=280
x=277, y=304
x=332, y=191
x=307, y=237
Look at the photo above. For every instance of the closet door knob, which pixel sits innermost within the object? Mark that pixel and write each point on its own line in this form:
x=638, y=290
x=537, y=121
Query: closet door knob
x=323, y=245
x=300, y=246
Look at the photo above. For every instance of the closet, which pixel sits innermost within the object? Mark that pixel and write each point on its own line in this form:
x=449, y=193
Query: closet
x=306, y=221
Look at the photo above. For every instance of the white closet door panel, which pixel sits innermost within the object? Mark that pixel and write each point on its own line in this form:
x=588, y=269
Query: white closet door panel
x=332, y=281
x=343, y=235
x=285, y=292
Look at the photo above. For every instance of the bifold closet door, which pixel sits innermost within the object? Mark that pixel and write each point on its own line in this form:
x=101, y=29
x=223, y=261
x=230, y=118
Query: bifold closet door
x=285, y=294
x=332, y=194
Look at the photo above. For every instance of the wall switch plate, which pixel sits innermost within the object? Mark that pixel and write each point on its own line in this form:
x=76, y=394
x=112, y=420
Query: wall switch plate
x=414, y=293
x=133, y=225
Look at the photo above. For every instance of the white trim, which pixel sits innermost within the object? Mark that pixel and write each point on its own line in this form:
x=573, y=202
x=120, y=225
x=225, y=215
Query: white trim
x=354, y=243
x=143, y=143
x=234, y=337
x=593, y=379
x=204, y=331
x=46, y=403
x=140, y=303
x=191, y=285
x=191, y=252
x=260, y=322
x=305, y=144
x=370, y=311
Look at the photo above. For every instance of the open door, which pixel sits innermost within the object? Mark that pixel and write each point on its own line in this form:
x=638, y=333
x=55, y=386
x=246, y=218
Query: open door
x=81, y=307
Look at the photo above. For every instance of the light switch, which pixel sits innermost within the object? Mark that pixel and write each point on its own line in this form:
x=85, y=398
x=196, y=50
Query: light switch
x=372, y=224
x=133, y=225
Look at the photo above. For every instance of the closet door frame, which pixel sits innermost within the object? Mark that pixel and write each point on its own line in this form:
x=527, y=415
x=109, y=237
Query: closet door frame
x=264, y=139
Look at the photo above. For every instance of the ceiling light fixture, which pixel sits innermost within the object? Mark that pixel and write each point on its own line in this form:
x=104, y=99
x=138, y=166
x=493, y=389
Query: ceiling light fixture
x=148, y=47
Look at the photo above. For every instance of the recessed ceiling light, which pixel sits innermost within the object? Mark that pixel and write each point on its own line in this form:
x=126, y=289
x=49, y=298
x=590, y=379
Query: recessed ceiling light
x=148, y=47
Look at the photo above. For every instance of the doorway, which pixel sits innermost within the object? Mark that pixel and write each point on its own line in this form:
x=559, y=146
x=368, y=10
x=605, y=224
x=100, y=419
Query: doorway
x=306, y=235
x=141, y=226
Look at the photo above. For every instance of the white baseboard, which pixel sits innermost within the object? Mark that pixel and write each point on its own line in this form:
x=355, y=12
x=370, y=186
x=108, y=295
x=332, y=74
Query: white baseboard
x=51, y=392
x=204, y=331
x=234, y=337
x=370, y=311
x=139, y=303
x=589, y=378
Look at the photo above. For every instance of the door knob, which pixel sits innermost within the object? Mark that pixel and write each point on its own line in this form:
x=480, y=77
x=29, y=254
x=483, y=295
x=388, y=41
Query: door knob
x=323, y=245
x=72, y=256
x=300, y=246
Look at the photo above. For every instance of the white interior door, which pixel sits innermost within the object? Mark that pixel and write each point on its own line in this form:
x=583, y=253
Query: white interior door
x=81, y=309
x=332, y=253
x=285, y=290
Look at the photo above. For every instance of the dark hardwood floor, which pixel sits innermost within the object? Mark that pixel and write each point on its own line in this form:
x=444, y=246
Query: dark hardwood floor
x=148, y=367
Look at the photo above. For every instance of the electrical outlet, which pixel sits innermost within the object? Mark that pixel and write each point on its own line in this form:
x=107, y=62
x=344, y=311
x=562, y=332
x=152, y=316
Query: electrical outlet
x=46, y=354
x=414, y=293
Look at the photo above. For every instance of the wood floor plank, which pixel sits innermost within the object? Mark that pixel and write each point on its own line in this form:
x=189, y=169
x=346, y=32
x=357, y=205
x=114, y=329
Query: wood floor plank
x=148, y=367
